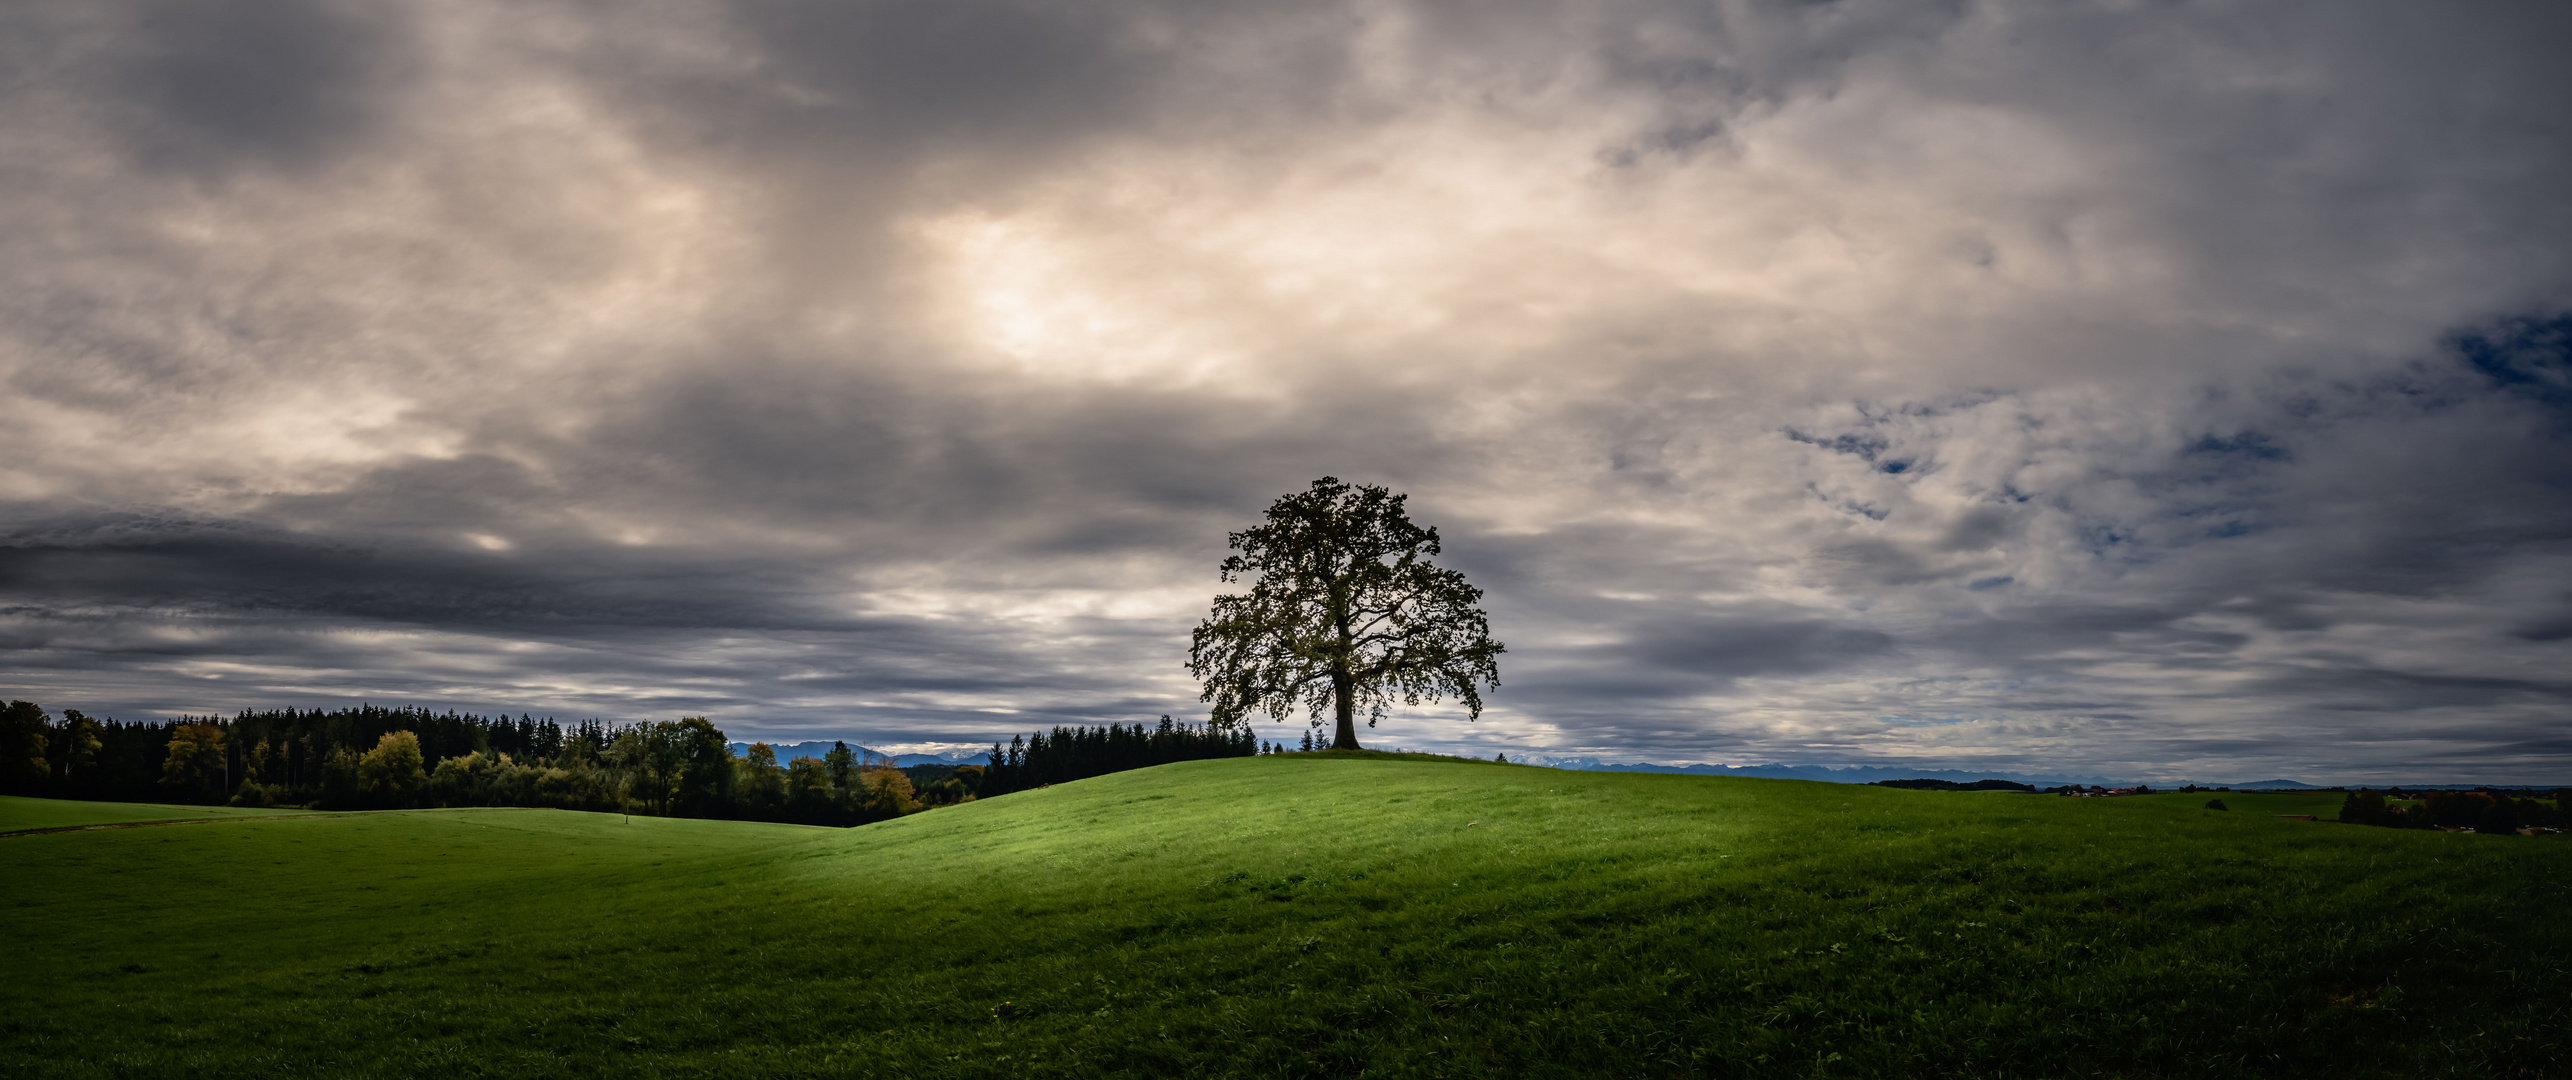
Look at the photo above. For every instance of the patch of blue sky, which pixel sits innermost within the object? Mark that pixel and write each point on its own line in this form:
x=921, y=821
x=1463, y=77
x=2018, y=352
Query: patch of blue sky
x=1869, y=511
x=1864, y=446
x=2530, y=356
x=2258, y=445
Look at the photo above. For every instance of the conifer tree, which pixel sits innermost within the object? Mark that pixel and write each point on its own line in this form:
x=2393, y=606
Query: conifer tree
x=840, y=763
x=23, y=726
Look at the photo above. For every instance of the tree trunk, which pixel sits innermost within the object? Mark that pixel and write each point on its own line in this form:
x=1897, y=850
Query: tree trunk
x=1344, y=699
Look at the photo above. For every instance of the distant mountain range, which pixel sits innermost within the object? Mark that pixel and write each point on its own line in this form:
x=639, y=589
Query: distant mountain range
x=1868, y=774
x=790, y=751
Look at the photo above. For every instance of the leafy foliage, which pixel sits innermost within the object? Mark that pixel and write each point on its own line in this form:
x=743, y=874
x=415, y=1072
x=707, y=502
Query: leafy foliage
x=195, y=762
x=392, y=769
x=2477, y=811
x=1344, y=610
x=374, y=759
x=72, y=746
x=22, y=746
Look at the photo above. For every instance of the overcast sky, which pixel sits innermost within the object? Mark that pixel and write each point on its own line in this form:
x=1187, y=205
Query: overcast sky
x=2155, y=389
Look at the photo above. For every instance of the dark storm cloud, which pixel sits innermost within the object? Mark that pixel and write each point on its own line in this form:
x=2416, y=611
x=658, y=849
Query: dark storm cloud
x=255, y=597
x=250, y=570
x=2164, y=390
x=1659, y=657
x=285, y=83
x=917, y=69
x=904, y=465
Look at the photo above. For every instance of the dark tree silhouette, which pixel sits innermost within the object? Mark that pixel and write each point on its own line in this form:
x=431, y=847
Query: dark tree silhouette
x=23, y=727
x=1345, y=611
x=840, y=764
x=1068, y=754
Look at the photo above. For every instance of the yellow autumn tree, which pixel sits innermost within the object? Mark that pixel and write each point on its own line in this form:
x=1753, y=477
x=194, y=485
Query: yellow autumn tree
x=392, y=771
x=193, y=766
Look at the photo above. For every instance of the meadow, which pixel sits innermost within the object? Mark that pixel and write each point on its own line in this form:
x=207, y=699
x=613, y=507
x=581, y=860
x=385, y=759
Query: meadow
x=1298, y=915
x=19, y=813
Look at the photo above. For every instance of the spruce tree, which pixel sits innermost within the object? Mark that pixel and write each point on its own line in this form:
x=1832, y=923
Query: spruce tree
x=839, y=764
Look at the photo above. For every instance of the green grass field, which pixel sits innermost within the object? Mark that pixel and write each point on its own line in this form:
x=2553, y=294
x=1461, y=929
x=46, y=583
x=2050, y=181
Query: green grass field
x=1301, y=916
x=18, y=813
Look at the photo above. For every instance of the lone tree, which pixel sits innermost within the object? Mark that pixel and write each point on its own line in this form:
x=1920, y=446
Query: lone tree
x=1345, y=610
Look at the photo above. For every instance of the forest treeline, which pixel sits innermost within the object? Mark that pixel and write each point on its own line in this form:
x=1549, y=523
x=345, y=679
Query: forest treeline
x=2477, y=811
x=1066, y=754
x=370, y=758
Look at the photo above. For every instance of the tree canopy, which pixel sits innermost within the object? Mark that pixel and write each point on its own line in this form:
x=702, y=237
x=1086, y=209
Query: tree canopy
x=393, y=770
x=1344, y=609
x=23, y=725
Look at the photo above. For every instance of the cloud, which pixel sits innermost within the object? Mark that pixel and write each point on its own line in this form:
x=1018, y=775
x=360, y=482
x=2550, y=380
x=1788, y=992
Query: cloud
x=201, y=87
x=2012, y=384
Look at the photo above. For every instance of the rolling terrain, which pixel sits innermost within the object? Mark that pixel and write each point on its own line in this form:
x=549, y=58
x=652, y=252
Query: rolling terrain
x=1296, y=915
x=19, y=813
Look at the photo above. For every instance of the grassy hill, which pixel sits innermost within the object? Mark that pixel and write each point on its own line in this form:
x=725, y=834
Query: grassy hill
x=19, y=813
x=1300, y=916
